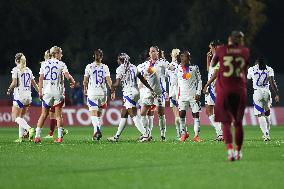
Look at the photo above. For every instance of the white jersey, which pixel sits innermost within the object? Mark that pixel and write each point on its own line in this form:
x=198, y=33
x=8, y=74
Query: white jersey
x=260, y=77
x=97, y=79
x=154, y=72
x=24, y=78
x=53, y=71
x=128, y=77
x=189, y=81
x=171, y=75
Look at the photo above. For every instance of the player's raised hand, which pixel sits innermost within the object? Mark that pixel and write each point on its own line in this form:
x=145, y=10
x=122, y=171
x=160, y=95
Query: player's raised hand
x=277, y=99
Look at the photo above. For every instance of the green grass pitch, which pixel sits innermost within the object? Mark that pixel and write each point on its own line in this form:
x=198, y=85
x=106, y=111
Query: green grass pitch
x=80, y=163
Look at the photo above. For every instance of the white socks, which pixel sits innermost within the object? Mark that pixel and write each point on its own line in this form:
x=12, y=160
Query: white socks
x=216, y=125
x=268, y=120
x=144, y=122
x=60, y=132
x=22, y=123
x=177, y=123
x=182, y=125
x=263, y=125
x=38, y=132
x=95, y=122
x=162, y=124
x=21, y=132
x=100, y=122
x=151, y=122
x=121, y=127
x=138, y=124
x=196, y=126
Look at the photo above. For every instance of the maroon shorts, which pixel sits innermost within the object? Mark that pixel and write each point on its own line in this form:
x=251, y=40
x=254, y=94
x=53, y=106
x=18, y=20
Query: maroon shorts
x=230, y=106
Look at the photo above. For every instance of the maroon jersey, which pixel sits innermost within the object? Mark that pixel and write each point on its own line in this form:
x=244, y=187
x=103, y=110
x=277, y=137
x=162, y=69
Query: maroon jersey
x=234, y=61
x=231, y=83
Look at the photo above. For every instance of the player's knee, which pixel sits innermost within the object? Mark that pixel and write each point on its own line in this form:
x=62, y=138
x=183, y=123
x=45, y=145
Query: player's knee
x=267, y=113
x=195, y=115
x=182, y=114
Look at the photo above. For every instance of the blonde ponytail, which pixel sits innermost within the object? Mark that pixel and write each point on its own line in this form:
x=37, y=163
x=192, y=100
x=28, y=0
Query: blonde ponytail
x=20, y=59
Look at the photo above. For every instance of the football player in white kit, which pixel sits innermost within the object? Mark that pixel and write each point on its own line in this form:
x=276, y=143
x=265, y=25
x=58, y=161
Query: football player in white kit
x=173, y=88
x=22, y=79
x=262, y=77
x=51, y=90
x=143, y=90
x=127, y=75
x=210, y=93
x=189, y=91
x=154, y=72
x=95, y=79
x=52, y=118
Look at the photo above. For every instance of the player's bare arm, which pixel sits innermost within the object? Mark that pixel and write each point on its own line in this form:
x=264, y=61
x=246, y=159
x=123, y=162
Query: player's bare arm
x=213, y=77
x=40, y=84
x=143, y=80
x=35, y=85
x=85, y=84
x=199, y=85
x=109, y=81
x=12, y=86
x=70, y=79
x=275, y=88
x=114, y=87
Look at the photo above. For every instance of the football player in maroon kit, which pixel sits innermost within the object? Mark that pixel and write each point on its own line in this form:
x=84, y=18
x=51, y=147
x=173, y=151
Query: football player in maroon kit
x=231, y=90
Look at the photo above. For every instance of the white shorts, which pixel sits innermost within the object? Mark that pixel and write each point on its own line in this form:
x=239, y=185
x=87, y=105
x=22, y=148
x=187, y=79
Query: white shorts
x=261, y=101
x=96, y=102
x=159, y=101
x=131, y=100
x=49, y=100
x=210, y=97
x=21, y=102
x=189, y=102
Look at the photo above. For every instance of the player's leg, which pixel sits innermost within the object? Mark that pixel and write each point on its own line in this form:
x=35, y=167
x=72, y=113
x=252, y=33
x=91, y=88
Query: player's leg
x=260, y=101
x=150, y=117
x=268, y=119
x=59, y=121
x=132, y=111
x=183, y=106
x=228, y=139
x=239, y=137
x=216, y=125
x=93, y=109
x=41, y=120
x=146, y=106
x=236, y=106
x=174, y=108
x=25, y=125
x=160, y=104
x=177, y=121
x=121, y=126
x=52, y=122
x=183, y=129
x=16, y=116
x=196, y=108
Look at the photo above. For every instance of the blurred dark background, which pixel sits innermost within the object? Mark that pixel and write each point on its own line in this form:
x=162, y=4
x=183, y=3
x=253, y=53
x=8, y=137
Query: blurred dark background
x=132, y=26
